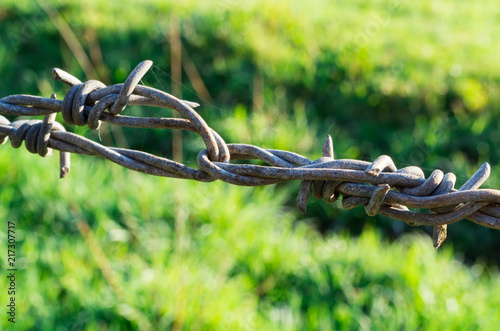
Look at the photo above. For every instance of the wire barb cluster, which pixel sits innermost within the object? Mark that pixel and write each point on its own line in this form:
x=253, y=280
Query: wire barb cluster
x=378, y=186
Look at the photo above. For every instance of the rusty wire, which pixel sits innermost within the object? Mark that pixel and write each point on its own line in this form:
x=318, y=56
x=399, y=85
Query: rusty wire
x=378, y=186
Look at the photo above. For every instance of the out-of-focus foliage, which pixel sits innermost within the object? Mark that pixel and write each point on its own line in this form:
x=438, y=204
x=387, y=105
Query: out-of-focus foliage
x=240, y=262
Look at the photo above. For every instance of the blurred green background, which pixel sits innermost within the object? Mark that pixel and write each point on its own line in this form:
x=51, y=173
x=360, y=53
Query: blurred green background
x=109, y=249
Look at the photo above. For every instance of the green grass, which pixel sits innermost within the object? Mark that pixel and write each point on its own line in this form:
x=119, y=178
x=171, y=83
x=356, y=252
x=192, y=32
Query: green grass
x=242, y=261
x=396, y=48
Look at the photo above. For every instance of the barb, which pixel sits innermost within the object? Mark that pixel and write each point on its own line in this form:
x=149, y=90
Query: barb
x=378, y=186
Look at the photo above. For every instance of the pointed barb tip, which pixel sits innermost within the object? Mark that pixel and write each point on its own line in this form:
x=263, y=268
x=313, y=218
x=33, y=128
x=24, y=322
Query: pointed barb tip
x=327, y=147
x=439, y=235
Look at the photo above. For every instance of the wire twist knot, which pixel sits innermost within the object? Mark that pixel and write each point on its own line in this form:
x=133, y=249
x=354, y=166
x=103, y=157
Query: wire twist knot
x=36, y=135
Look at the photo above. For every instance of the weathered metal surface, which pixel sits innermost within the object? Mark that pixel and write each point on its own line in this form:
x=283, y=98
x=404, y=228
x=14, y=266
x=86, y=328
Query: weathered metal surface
x=378, y=186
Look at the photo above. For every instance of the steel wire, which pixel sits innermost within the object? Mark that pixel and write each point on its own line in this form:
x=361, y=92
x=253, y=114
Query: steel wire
x=378, y=186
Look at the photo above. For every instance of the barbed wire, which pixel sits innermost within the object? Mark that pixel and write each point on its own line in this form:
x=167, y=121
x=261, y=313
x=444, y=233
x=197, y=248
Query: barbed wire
x=378, y=186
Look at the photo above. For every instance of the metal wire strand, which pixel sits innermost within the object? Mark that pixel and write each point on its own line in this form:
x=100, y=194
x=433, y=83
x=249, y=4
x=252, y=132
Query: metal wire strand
x=378, y=186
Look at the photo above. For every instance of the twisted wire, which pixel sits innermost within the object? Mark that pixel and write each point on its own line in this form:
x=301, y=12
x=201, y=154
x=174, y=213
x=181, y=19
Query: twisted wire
x=378, y=186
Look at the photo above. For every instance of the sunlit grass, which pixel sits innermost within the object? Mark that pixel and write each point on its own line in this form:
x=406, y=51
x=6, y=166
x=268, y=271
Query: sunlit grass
x=246, y=263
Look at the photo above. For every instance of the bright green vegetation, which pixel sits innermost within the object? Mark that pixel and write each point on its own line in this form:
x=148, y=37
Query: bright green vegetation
x=241, y=261
x=419, y=81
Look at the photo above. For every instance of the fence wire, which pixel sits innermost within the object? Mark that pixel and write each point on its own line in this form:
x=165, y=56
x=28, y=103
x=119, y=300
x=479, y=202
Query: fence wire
x=378, y=186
